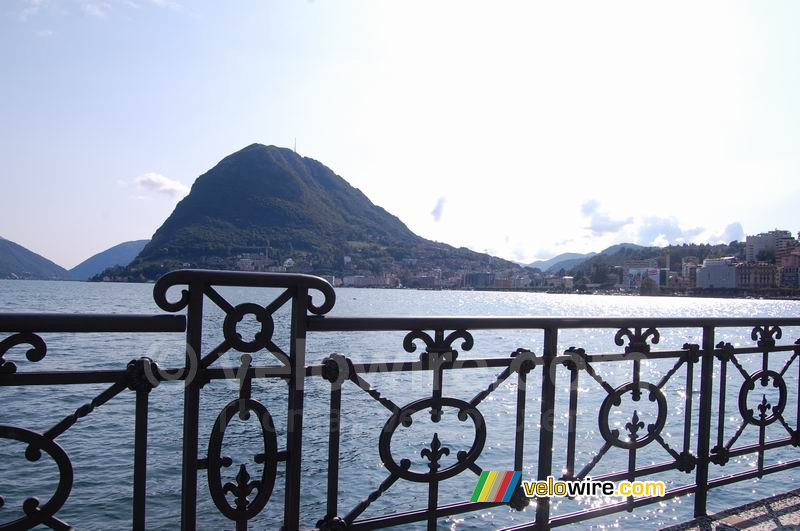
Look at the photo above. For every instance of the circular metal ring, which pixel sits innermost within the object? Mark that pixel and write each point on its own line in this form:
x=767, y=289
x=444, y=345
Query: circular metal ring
x=233, y=318
x=775, y=411
x=654, y=394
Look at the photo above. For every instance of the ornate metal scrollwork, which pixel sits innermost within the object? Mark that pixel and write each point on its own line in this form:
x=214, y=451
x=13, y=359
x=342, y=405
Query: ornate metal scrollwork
x=142, y=374
x=633, y=427
x=775, y=410
x=199, y=278
x=439, y=343
x=766, y=335
x=36, y=353
x=637, y=341
x=720, y=455
x=262, y=337
x=35, y=512
x=686, y=461
x=332, y=523
x=246, y=508
x=465, y=410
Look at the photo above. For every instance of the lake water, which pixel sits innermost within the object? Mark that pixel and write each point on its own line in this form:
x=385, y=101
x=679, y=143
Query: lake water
x=101, y=445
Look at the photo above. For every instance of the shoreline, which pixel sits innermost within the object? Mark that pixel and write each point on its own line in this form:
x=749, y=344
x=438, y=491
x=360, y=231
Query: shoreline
x=775, y=294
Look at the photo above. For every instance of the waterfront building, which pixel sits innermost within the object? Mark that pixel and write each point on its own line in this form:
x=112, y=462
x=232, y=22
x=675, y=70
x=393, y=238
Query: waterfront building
x=478, y=280
x=371, y=281
x=520, y=282
x=552, y=281
x=717, y=273
x=756, y=275
x=792, y=259
x=790, y=277
x=635, y=271
x=779, y=243
x=689, y=266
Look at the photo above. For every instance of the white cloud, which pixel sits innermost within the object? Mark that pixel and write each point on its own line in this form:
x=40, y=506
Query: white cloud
x=157, y=183
x=732, y=231
x=590, y=207
x=660, y=232
x=438, y=209
x=30, y=8
x=95, y=9
x=599, y=222
x=166, y=3
x=91, y=8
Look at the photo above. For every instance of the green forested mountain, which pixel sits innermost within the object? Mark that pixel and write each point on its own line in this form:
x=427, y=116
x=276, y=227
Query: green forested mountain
x=265, y=199
x=17, y=262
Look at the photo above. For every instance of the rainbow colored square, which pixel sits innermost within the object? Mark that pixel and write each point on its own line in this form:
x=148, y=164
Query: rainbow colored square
x=495, y=486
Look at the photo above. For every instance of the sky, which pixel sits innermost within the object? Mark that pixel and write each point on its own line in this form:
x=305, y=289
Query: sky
x=523, y=129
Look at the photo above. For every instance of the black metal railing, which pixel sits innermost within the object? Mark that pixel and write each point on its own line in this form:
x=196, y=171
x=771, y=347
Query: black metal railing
x=700, y=454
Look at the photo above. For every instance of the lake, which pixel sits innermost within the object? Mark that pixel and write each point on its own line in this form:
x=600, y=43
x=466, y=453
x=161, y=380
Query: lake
x=101, y=445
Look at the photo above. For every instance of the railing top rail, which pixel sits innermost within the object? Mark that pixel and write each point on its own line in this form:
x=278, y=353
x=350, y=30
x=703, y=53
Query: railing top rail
x=206, y=277
x=365, y=324
x=90, y=322
x=243, y=278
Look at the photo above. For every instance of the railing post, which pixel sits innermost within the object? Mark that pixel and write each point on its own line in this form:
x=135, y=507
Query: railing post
x=297, y=356
x=704, y=421
x=546, y=423
x=191, y=407
x=140, y=458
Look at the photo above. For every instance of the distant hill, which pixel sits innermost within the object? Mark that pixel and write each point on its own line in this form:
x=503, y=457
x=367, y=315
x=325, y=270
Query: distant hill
x=556, y=262
x=17, y=262
x=614, y=249
x=119, y=255
x=569, y=261
x=597, y=268
x=266, y=200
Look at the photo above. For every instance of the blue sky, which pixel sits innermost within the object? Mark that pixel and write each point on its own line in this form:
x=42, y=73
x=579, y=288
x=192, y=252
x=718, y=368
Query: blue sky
x=520, y=128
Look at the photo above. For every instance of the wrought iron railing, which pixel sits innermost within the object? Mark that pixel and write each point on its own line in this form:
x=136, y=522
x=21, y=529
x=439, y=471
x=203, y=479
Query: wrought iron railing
x=707, y=443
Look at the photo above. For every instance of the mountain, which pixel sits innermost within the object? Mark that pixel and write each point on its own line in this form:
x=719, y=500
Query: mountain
x=614, y=249
x=267, y=205
x=119, y=255
x=17, y=262
x=565, y=260
x=601, y=267
x=569, y=261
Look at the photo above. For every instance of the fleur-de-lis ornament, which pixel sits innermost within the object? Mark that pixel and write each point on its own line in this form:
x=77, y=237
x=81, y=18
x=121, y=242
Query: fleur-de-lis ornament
x=763, y=407
x=435, y=452
x=243, y=487
x=634, y=425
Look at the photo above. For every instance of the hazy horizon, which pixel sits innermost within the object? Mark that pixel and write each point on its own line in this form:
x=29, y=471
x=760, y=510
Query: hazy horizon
x=523, y=130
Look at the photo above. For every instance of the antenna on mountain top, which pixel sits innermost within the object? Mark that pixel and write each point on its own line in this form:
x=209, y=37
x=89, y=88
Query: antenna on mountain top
x=295, y=144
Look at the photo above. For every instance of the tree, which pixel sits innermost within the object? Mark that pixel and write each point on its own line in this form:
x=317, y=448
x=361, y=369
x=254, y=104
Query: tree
x=648, y=287
x=765, y=256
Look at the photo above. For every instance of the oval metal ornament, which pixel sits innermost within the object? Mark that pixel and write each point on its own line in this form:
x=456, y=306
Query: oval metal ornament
x=264, y=485
x=465, y=410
